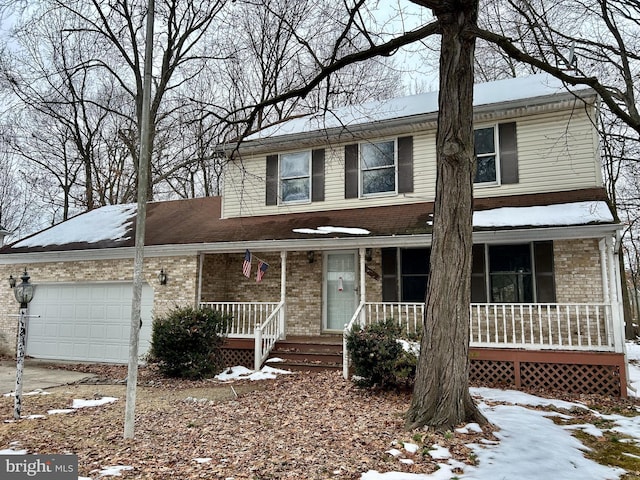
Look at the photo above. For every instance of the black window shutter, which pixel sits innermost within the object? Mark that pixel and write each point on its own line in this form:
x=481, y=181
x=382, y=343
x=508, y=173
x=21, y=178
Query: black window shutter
x=272, y=180
x=389, y=275
x=405, y=164
x=317, y=175
x=478, y=279
x=508, y=152
x=545, y=283
x=351, y=171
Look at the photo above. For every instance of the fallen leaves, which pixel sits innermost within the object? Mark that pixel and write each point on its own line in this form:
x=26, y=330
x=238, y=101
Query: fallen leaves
x=307, y=425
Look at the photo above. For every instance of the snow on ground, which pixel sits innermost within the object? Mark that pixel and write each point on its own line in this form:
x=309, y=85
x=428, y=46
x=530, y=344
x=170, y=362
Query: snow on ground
x=556, y=453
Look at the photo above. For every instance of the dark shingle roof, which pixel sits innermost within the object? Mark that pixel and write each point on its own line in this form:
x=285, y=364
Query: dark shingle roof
x=194, y=221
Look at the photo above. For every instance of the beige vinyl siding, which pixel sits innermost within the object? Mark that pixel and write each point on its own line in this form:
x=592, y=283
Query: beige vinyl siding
x=556, y=152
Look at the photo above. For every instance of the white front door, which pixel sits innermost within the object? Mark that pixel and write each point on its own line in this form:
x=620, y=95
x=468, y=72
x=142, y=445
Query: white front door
x=340, y=289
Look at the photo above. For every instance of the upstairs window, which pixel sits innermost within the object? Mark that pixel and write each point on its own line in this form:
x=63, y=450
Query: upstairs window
x=375, y=168
x=496, y=153
x=378, y=167
x=295, y=177
x=486, y=156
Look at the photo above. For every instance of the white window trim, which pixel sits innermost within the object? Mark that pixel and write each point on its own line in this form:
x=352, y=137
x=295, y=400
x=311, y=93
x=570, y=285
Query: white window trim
x=390, y=193
x=496, y=143
x=309, y=177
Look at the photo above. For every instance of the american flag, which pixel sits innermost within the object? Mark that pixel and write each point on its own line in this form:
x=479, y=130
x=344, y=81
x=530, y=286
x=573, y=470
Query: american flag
x=262, y=268
x=246, y=264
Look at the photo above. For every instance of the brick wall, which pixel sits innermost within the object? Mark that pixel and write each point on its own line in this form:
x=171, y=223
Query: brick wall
x=577, y=269
x=223, y=281
x=181, y=288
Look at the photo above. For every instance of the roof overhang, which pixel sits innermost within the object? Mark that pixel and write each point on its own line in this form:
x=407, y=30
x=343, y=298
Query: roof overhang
x=292, y=245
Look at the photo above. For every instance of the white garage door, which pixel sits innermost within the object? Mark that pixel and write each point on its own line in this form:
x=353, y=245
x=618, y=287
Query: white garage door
x=86, y=322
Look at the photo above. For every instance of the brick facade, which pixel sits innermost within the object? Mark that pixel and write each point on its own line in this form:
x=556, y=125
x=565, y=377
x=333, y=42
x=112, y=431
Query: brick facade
x=576, y=264
x=181, y=287
x=577, y=271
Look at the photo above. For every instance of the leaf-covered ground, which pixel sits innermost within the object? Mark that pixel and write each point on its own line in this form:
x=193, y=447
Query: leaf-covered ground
x=306, y=425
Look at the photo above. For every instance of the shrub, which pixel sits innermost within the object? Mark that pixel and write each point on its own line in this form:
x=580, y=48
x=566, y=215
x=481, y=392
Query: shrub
x=187, y=342
x=377, y=356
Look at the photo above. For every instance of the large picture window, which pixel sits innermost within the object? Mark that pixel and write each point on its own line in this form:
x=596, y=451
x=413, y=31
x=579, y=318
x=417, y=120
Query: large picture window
x=520, y=273
x=295, y=175
x=405, y=273
x=378, y=167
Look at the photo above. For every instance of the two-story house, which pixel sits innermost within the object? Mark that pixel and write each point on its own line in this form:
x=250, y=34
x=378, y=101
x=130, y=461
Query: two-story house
x=326, y=220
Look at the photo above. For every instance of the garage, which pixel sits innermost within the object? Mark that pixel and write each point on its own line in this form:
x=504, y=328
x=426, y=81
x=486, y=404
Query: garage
x=86, y=322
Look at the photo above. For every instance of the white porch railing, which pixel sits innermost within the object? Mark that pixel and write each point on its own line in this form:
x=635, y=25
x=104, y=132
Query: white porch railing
x=566, y=326
x=262, y=321
x=267, y=334
x=533, y=326
x=245, y=315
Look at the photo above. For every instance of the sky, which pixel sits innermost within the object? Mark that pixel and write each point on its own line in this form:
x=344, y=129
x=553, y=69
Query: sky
x=557, y=454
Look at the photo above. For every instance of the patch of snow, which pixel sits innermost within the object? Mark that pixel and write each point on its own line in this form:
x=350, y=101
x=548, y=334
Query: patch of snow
x=78, y=403
x=11, y=451
x=59, y=411
x=586, y=428
x=115, y=471
x=521, y=398
x=202, y=460
x=557, y=454
x=243, y=373
x=410, y=347
x=411, y=447
x=325, y=230
x=112, y=222
x=394, y=452
x=470, y=427
x=439, y=453
x=577, y=213
x=274, y=360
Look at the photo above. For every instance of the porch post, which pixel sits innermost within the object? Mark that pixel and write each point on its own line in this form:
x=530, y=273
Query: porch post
x=283, y=293
x=618, y=322
x=363, y=295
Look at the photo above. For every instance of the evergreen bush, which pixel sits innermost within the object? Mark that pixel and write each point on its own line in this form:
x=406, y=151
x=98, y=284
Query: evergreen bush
x=186, y=343
x=378, y=357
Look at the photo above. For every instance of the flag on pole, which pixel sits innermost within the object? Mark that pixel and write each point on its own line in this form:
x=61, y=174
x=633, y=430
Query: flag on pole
x=246, y=264
x=262, y=268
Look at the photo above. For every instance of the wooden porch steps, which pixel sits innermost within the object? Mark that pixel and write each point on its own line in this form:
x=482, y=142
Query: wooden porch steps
x=308, y=353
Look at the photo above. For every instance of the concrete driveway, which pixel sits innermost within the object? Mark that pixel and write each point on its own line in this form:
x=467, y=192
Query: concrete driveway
x=36, y=375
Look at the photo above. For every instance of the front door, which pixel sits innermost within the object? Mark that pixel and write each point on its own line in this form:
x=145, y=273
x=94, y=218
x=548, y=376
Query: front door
x=340, y=289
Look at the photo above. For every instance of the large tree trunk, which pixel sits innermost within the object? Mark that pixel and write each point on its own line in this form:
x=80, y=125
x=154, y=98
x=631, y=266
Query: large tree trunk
x=441, y=396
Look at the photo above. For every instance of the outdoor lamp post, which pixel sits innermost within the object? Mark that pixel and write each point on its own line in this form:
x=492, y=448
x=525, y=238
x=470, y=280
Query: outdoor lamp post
x=24, y=294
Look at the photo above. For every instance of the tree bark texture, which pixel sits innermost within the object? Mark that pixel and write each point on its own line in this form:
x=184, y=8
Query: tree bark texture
x=441, y=397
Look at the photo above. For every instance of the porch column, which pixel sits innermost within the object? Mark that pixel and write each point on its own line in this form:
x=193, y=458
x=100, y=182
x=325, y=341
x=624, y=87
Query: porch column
x=618, y=321
x=283, y=293
x=362, y=254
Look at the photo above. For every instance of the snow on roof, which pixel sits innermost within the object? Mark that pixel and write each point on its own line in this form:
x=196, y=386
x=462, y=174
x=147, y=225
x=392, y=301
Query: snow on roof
x=578, y=213
x=495, y=92
x=328, y=229
x=106, y=223
x=114, y=222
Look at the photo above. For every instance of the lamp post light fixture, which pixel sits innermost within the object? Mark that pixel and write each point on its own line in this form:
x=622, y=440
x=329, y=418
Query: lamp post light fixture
x=24, y=294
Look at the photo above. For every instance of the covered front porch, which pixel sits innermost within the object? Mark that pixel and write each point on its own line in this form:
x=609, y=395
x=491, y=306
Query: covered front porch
x=505, y=338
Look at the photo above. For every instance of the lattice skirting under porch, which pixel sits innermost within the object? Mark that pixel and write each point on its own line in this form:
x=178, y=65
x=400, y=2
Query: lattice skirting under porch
x=577, y=372
x=237, y=351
